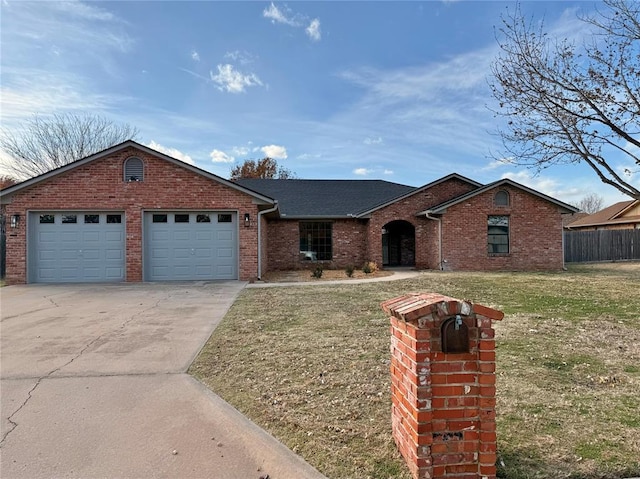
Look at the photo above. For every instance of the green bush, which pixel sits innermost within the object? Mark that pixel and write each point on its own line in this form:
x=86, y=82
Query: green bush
x=317, y=273
x=349, y=270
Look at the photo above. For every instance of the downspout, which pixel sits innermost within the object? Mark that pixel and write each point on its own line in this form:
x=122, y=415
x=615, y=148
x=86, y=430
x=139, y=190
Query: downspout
x=260, y=213
x=564, y=263
x=439, y=220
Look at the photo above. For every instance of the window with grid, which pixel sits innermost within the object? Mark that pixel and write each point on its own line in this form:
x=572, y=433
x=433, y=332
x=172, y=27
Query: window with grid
x=498, y=234
x=316, y=240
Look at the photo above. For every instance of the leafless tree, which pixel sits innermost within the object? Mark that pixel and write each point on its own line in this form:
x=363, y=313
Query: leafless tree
x=569, y=103
x=591, y=203
x=44, y=143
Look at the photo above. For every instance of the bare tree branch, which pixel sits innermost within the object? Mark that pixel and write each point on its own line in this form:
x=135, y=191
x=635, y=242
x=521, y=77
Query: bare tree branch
x=568, y=104
x=45, y=143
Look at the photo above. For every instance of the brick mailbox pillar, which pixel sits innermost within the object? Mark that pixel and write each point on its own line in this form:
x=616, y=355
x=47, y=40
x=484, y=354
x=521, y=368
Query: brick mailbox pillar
x=443, y=385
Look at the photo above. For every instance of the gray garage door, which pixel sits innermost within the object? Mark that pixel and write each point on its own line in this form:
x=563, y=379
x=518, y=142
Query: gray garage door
x=191, y=246
x=76, y=247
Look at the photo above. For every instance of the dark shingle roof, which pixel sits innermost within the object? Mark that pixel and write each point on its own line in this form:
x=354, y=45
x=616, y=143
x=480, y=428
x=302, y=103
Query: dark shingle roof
x=326, y=198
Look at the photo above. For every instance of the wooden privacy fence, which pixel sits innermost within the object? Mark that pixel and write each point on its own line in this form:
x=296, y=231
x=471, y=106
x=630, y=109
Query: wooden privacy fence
x=601, y=245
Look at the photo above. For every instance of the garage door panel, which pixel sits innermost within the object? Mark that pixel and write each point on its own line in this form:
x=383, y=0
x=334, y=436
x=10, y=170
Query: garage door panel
x=75, y=252
x=204, y=235
x=46, y=255
x=114, y=236
x=224, y=270
x=181, y=235
x=224, y=235
x=114, y=254
x=191, y=251
x=91, y=236
x=46, y=236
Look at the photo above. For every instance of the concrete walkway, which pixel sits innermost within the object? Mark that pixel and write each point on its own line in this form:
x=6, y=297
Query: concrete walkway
x=94, y=384
x=397, y=275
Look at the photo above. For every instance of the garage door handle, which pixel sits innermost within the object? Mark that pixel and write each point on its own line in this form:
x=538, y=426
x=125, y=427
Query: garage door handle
x=193, y=251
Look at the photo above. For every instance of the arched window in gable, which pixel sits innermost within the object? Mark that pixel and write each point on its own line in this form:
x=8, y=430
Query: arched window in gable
x=501, y=198
x=133, y=169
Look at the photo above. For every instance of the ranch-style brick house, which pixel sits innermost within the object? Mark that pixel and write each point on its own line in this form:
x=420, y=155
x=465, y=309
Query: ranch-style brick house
x=130, y=213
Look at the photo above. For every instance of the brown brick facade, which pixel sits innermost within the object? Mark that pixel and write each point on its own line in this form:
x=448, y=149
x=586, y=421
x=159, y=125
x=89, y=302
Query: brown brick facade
x=426, y=231
x=455, y=239
x=100, y=185
x=535, y=233
x=349, y=237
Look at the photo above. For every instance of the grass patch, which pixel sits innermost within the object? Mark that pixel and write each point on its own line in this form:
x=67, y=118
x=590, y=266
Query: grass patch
x=311, y=365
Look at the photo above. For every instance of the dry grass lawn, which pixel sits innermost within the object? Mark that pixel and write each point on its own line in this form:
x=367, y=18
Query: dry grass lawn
x=310, y=365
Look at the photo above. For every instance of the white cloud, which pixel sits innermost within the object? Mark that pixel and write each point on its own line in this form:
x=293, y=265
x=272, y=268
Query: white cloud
x=218, y=156
x=286, y=16
x=244, y=58
x=277, y=16
x=373, y=141
x=388, y=172
x=240, y=150
x=195, y=56
x=545, y=185
x=500, y=163
x=274, y=151
x=362, y=171
x=172, y=152
x=233, y=81
x=313, y=30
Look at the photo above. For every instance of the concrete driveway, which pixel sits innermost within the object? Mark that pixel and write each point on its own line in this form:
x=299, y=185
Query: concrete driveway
x=94, y=384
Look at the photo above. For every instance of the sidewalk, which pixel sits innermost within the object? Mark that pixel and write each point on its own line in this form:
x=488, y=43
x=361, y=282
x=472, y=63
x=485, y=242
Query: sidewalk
x=396, y=276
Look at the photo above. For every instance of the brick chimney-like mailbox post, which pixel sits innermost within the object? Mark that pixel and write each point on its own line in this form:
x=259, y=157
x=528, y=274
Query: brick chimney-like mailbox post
x=443, y=385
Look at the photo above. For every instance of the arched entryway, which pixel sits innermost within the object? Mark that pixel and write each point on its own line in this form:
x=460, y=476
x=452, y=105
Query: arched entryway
x=398, y=244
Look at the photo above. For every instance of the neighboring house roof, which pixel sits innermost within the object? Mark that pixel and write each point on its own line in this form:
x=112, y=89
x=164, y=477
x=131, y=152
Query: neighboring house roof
x=7, y=192
x=442, y=208
x=326, y=198
x=617, y=213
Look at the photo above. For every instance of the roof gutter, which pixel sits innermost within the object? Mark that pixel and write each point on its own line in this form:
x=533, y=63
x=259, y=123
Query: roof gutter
x=260, y=213
x=439, y=220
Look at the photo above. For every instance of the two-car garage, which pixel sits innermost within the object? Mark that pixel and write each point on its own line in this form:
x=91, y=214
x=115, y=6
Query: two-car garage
x=89, y=246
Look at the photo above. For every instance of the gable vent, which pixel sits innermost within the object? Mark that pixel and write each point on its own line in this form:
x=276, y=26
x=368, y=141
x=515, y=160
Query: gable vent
x=133, y=170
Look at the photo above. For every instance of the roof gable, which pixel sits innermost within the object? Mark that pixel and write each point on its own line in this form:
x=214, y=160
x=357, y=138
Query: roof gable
x=420, y=189
x=621, y=212
x=442, y=208
x=9, y=191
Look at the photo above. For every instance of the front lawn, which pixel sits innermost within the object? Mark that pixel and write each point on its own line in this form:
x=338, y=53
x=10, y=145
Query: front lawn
x=310, y=365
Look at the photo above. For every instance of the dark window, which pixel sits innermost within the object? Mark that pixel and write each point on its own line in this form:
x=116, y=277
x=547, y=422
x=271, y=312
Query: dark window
x=69, y=219
x=224, y=218
x=498, y=234
x=203, y=218
x=501, y=198
x=133, y=169
x=181, y=218
x=47, y=219
x=159, y=218
x=91, y=219
x=315, y=241
x=114, y=218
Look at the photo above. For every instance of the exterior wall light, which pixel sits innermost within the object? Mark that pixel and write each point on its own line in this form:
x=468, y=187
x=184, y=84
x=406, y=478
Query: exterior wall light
x=247, y=220
x=15, y=220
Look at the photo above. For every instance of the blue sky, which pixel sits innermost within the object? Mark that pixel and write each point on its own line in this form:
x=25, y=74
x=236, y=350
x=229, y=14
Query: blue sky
x=373, y=90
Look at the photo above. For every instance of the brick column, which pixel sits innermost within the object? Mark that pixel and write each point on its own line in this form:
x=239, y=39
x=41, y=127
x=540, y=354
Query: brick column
x=443, y=403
